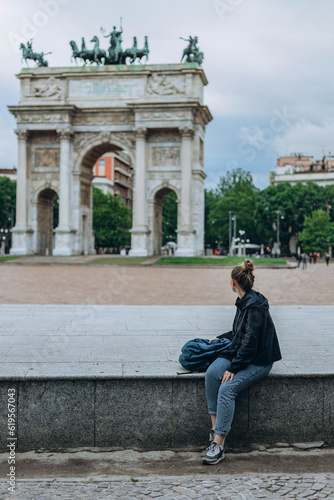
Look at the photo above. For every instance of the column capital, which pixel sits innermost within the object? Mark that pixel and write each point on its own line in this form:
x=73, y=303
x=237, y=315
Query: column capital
x=65, y=133
x=21, y=134
x=141, y=132
x=187, y=132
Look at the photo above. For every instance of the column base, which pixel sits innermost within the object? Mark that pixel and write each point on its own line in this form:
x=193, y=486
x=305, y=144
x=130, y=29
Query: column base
x=139, y=242
x=22, y=243
x=64, y=242
x=186, y=243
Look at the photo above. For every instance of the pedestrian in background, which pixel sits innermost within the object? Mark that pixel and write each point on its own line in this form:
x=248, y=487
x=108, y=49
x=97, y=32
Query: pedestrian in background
x=299, y=258
x=304, y=259
x=327, y=258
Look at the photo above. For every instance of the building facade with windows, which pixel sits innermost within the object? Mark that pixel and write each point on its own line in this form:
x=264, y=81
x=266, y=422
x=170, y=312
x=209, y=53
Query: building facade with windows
x=113, y=174
x=300, y=168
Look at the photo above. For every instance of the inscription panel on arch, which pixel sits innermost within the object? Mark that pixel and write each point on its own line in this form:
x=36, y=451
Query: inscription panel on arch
x=108, y=88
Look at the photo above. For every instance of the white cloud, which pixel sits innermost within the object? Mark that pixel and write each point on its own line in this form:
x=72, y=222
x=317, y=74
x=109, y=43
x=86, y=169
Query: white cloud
x=262, y=55
x=308, y=138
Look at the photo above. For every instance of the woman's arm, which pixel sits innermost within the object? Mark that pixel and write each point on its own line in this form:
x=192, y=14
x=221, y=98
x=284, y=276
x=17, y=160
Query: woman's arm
x=248, y=348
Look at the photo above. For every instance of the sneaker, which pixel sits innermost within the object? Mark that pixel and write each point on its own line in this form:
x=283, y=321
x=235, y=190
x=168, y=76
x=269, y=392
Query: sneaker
x=214, y=455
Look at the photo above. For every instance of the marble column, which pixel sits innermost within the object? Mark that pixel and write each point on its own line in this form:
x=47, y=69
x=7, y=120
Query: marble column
x=139, y=231
x=64, y=233
x=22, y=232
x=185, y=231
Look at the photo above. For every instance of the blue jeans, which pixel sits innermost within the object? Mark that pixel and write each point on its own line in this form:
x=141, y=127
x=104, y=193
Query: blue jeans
x=221, y=397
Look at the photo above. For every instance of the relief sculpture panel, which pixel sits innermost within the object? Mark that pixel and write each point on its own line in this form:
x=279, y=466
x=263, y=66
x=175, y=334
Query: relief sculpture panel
x=166, y=156
x=47, y=157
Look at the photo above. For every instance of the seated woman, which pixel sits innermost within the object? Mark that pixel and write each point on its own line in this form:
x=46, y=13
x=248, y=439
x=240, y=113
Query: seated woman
x=249, y=358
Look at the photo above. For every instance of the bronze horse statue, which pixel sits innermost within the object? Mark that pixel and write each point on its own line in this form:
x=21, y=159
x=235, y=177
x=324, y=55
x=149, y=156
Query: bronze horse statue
x=135, y=53
x=27, y=53
x=96, y=55
x=75, y=51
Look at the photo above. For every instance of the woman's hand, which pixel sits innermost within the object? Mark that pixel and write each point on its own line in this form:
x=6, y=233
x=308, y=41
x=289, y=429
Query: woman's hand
x=212, y=340
x=227, y=376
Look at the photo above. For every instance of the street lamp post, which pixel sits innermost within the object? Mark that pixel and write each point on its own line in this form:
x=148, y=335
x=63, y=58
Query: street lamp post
x=242, y=233
x=279, y=216
x=229, y=231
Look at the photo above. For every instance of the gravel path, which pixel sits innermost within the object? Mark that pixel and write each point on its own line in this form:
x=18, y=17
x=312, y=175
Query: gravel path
x=158, y=286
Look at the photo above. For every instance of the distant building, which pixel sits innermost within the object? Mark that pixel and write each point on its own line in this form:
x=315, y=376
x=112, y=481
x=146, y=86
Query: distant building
x=113, y=174
x=301, y=168
x=9, y=172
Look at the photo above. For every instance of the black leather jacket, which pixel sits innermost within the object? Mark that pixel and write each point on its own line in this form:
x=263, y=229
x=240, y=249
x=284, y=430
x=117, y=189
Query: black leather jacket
x=254, y=338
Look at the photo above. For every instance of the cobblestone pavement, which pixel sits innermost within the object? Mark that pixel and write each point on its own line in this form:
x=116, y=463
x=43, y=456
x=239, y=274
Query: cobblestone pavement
x=155, y=286
x=250, y=486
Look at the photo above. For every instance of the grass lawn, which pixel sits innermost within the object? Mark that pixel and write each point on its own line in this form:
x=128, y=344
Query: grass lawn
x=118, y=261
x=4, y=258
x=217, y=261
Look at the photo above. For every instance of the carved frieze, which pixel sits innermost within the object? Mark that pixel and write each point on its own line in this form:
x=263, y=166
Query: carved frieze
x=51, y=88
x=45, y=138
x=42, y=118
x=164, y=116
x=159, y=84
x=44, y=176
x=165, y=136
x=47, y=157
x=104, y=119
x=166, y=156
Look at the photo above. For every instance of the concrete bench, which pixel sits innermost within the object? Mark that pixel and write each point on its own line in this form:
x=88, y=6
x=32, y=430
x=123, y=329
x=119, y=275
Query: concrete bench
x=107, y=376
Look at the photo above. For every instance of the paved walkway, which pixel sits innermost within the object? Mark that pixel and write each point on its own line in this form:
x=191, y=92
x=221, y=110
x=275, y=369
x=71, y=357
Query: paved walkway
x=239, y=486
x=145, y=341
x=155, y=286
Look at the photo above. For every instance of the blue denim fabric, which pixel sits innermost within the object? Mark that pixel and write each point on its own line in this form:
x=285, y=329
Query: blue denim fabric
x=221, y=397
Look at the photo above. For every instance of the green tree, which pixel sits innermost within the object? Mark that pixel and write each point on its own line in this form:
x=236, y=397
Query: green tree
x=236, y=192
x=7, y=202
x=211, y=232
x=318, y=232
x=295, y=204
x=169, y=218
x=111, y=220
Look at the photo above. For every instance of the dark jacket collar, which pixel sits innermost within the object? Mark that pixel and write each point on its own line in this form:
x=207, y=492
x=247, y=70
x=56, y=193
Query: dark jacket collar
x=252, y=299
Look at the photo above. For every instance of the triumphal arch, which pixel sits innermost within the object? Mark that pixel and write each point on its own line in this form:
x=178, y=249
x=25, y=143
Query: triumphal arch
x=68, y=117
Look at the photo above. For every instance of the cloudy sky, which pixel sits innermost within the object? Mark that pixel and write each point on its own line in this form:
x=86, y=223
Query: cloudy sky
x=269, y=64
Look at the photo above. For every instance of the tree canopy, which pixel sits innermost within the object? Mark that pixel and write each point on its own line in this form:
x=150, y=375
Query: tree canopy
x=169, y=218
x=318, y=232
x=7, y=202
x=256, y=210
x=111, y=220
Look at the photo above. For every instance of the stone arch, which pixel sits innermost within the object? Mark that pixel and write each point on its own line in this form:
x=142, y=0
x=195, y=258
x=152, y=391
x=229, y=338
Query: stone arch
x=90, y=152
x=42, y=187
x=158, y=201
x=45, y=226
x=96, y=147
x=100, y=109
x=163, y=185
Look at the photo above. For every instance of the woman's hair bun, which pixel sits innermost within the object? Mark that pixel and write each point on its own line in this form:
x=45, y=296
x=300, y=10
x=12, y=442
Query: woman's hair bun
x=248, y=266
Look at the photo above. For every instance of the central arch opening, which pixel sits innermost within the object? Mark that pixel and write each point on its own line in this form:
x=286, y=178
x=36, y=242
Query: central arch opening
x=165, y=221
x=106, y=199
